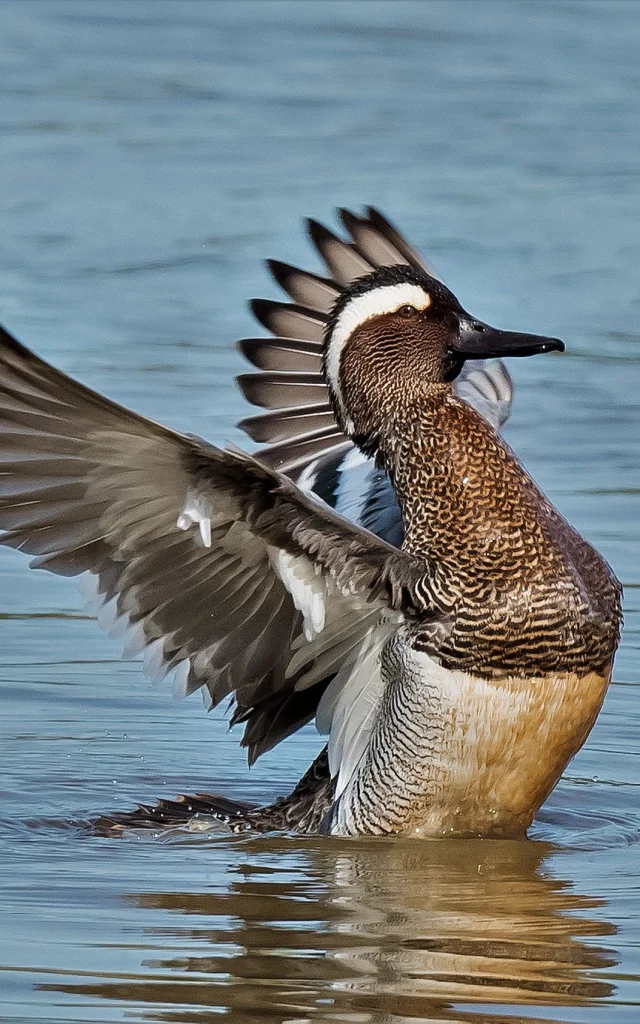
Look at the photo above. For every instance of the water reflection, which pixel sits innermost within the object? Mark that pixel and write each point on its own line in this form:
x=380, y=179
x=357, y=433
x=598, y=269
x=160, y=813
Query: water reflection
x=368, y=931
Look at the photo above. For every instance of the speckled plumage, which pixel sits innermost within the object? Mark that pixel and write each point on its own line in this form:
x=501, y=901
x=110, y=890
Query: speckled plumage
x=455, y=673
x=524, y=592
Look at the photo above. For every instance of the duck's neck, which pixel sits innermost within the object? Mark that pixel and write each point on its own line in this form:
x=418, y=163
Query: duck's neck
x=462, y=493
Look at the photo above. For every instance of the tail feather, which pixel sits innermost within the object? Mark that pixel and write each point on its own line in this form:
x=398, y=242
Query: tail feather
x=173, y=813
x=301, y=811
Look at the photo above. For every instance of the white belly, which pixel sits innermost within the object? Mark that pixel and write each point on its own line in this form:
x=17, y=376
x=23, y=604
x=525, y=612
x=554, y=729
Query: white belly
x=453, y=753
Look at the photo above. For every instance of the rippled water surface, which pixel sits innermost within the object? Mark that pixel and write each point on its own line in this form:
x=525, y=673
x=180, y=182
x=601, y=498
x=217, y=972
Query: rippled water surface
x=151, y=155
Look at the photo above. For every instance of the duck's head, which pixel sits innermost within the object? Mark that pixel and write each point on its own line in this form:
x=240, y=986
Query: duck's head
x=398, y=331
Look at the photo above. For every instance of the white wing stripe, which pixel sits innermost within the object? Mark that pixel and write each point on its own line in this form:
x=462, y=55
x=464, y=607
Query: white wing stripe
x=196, y=510
x=308, y=590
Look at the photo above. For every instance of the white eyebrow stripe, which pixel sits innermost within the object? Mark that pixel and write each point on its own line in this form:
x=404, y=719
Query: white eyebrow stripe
x=378, y=301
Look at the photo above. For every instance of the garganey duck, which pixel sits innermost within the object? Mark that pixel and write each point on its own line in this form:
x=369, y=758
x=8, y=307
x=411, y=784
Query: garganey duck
x=454, y=637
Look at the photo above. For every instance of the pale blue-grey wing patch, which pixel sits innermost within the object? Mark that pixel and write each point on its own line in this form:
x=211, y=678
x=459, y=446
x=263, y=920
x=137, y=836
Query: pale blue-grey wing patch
x=487, y=386
x=358, y=490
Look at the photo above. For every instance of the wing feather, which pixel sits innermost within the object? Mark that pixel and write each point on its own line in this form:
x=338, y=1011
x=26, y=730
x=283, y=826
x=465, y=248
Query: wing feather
x=308, y=289
x=288, y=320
x=295, y=428
x=275, y=390
x=296, y=422
x=344, y=262
x=282, y=354
x=193, y=549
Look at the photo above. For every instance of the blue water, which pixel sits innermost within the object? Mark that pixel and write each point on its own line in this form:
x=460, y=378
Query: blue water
x=152, y=154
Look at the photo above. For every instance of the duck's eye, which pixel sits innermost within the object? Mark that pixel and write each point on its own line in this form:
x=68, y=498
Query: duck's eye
x=407, y=310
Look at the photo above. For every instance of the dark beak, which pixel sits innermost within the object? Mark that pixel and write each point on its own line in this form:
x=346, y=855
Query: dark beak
x=479, y=341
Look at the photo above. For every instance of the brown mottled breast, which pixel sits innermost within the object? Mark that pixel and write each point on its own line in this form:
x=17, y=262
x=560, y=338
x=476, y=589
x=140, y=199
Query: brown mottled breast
x=519, y=589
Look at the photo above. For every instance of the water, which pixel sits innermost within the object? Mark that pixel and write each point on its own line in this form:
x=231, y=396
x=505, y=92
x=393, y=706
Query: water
x=152, y=155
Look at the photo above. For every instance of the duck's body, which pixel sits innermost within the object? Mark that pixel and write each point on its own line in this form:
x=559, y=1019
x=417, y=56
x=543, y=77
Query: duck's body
x=483, y=704
x=455, y=674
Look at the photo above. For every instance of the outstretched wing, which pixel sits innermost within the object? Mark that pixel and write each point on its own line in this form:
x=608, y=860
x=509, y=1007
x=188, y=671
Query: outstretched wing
x=216, y=566
x=299, y=429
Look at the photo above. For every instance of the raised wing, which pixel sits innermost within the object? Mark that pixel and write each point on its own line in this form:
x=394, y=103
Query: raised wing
x=216, y=566
x=302, y=437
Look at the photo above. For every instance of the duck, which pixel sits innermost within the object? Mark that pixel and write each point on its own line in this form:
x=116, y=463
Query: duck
x=383, y=565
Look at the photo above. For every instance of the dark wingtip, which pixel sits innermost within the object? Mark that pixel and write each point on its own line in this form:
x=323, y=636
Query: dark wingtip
x=246, y=347
x=317, y=232
x=280, y=272
x=13, y=344
x=250, y=430
x=347, y=218
x=247, y=383
x=261, y=308
x=376, y=216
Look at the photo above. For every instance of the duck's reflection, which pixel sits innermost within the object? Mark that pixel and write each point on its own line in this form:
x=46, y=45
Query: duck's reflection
x=369, y=932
